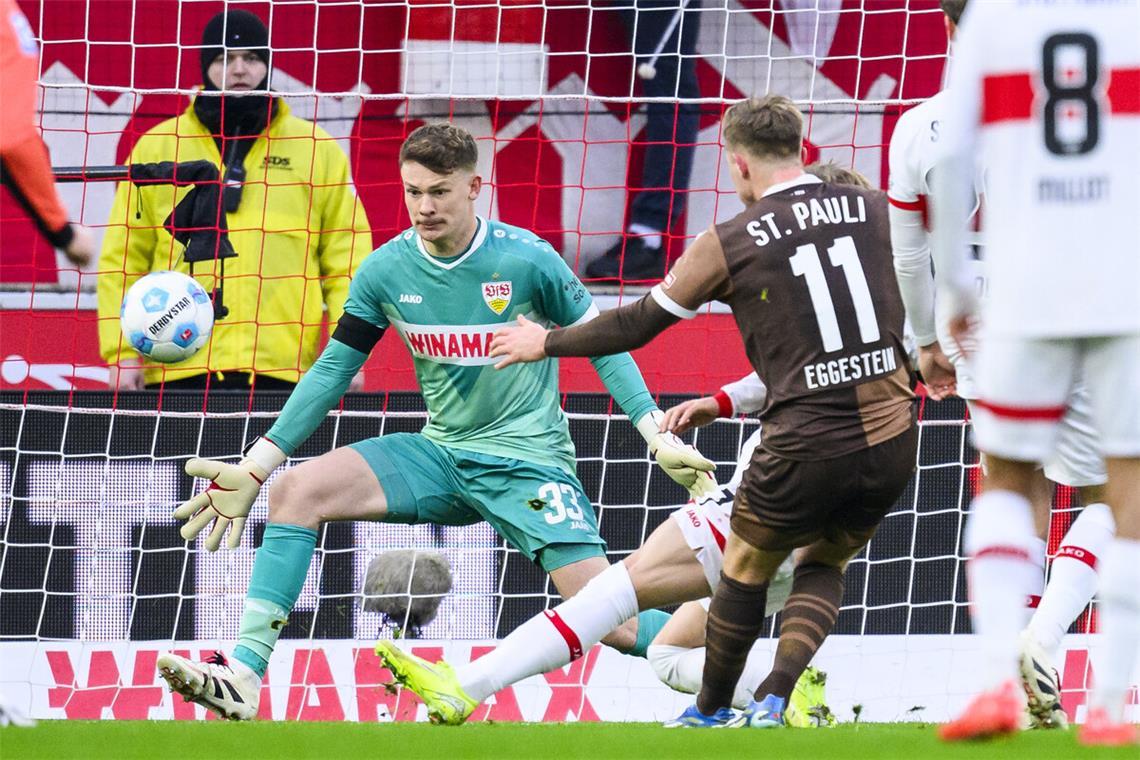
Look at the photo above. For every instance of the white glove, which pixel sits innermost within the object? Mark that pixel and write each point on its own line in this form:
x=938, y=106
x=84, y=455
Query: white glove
x=684, y=464
x=232, y=491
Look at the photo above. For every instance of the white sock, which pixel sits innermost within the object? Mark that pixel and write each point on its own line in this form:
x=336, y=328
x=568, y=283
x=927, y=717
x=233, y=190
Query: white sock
x=681, y=668
x=648, y=235
x=1073, y=579
x=999, y=541
x=554, y=637
x=1120, y=622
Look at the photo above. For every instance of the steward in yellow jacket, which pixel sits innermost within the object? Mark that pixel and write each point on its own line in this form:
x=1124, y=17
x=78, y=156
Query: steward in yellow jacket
x=293, y=216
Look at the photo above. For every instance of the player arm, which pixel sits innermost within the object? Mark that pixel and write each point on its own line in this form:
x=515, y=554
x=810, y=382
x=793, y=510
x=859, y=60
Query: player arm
x=699, y=276
x=622, y=378
x=910, y=242
x=911, y=248
x=323, y=385
x=27, y=174
x=742, y=396
x=233, y=488
x=25, y=167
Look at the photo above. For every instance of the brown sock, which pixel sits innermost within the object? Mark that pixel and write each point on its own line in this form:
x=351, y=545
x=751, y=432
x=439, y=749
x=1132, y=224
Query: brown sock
x=808, y=617
x=736, y=616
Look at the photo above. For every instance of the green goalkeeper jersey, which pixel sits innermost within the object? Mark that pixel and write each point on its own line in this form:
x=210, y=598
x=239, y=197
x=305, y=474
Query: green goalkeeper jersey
x=446, y=312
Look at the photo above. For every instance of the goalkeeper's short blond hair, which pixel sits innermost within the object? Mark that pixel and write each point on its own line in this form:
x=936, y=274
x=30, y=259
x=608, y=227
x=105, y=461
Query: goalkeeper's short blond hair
x=443, y=148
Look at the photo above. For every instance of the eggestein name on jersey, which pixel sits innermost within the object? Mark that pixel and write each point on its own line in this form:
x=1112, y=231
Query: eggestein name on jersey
x=846, y=369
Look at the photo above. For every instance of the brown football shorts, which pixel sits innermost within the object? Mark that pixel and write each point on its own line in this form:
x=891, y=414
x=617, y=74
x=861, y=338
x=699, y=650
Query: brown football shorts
x=785, y=503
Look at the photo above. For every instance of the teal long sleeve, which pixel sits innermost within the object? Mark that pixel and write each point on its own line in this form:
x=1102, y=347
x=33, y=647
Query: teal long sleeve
x=320, y=389
x=623, y=380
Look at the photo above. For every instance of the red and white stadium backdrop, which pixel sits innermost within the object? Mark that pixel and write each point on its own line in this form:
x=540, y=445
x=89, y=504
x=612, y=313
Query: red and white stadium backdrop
x=559, y=164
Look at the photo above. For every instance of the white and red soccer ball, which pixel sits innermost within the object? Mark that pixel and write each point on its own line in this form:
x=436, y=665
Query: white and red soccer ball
x=167, y=316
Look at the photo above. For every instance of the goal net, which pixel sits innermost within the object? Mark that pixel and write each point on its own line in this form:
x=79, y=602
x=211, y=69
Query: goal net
x=94, y=578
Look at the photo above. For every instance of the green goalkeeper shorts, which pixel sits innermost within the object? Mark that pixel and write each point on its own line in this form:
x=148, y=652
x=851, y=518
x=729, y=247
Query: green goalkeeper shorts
x=538, y=509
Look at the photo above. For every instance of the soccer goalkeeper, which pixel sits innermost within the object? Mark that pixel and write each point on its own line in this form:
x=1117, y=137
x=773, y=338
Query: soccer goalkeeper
x=496, y=446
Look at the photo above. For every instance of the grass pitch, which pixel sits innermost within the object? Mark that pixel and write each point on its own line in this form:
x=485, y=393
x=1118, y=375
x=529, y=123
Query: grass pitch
x=234, y=741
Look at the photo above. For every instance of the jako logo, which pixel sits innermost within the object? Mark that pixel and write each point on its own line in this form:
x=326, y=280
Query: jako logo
x=278, y=162
x=411, y=298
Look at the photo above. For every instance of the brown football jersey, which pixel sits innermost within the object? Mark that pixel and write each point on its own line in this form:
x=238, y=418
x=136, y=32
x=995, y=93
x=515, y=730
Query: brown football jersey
x=808, y=272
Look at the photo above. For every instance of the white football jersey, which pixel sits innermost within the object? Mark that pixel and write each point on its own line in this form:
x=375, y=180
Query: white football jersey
x=1045, y=94
x=916, y=148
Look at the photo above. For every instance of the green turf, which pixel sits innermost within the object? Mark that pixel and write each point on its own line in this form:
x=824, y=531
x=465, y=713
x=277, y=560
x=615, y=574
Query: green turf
x=231, y=741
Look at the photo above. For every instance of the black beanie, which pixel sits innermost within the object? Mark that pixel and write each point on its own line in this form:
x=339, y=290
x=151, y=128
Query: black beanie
x=233, y=30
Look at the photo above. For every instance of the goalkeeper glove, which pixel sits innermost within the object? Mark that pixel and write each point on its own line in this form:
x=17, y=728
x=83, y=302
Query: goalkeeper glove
x=684, y=464
x=227, y=500
x=680, y=461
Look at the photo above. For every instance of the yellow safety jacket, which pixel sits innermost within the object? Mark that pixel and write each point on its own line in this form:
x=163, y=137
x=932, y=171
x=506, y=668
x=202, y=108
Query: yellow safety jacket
x=299, y=233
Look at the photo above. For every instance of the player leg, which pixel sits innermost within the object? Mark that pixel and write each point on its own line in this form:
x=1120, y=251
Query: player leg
x=1077, y=463
x=557, y=636
x=555, y=528
x=560, y=533
x=831, y=506
x=339, y=485
x=736, y=616
x=809, y=612
x=881, y=475
x=1041, y=497
x=1023, y=388
x=399, y=477
x=1113, y=364
x=760, y=541
x=678, y=658
x=678, y=653
x=662, y=571
x=763, y=535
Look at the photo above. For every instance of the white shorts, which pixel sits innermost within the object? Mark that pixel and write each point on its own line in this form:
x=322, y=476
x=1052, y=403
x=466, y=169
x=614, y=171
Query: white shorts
x=1026, y=387
x=705, y=528
x=1077, y=460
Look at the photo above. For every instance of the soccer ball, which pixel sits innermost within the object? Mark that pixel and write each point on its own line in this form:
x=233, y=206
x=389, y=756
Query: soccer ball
x=167, y=316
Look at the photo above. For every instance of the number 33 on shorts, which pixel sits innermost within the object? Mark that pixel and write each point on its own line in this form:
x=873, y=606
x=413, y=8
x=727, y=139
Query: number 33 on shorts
x=560, y=501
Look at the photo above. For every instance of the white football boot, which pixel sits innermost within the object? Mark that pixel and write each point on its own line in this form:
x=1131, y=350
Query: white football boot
x=231, y=691
x=1042, y=685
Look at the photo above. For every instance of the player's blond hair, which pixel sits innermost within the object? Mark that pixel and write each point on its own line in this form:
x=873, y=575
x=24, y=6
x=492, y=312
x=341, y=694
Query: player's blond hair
x=442, y=148
x=834, y=174
x=769, y=128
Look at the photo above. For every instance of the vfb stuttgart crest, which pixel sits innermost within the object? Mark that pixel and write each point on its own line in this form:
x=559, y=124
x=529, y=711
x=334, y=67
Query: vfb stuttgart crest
x=497, y=295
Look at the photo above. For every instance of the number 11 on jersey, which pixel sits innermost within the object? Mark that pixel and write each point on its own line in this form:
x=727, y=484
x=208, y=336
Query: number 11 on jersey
x=806, y=263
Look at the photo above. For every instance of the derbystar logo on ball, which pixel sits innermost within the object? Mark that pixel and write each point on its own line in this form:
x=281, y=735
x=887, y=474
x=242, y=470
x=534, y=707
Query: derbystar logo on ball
x=167, y=316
